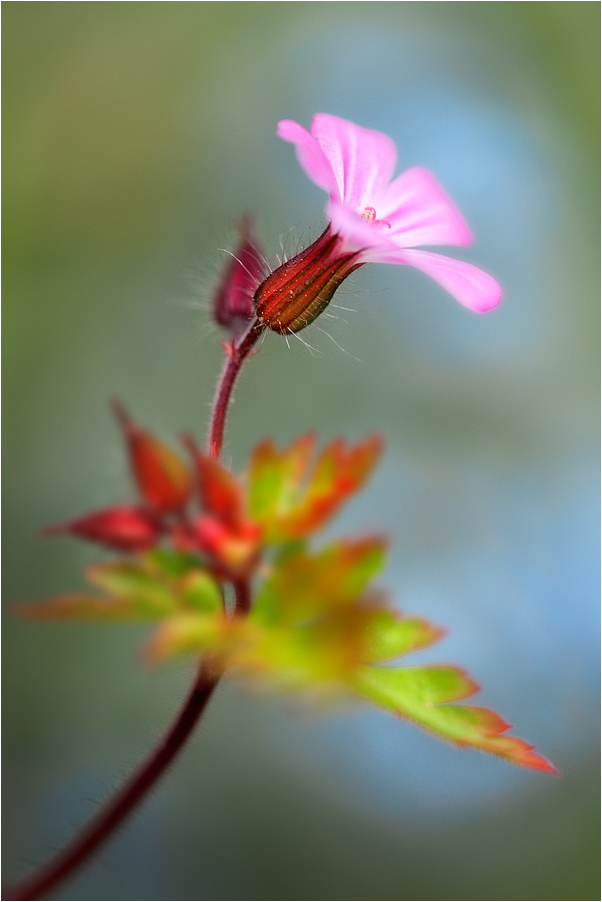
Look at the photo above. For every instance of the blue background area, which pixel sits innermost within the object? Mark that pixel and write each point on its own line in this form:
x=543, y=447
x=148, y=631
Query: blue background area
x=135, y=135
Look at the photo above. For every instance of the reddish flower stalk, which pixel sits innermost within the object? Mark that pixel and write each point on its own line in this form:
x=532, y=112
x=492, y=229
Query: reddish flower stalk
x=236, y=355
x=123, y=802
x=102, y=826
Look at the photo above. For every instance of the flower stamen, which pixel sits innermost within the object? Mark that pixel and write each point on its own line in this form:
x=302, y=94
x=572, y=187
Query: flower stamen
x=369, y=215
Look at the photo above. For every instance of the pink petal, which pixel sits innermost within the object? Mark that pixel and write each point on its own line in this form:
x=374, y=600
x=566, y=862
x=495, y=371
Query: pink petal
x=420, y=211
x=363, y=161
x=358, y=234
x=469, y=285
x=312, y=158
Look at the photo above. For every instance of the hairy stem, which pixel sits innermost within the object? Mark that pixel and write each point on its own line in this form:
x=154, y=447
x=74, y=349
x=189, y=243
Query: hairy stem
x=124, y=801
x=126, y=798
x=237, y=353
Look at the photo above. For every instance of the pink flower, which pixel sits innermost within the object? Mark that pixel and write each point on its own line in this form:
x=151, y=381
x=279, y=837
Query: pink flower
x=380, y=220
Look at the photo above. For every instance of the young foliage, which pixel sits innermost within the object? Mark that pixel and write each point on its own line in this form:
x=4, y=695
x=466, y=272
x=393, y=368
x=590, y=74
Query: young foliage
x=316, y=623
x=290, y=498
x=420, y=695
x=149, y=587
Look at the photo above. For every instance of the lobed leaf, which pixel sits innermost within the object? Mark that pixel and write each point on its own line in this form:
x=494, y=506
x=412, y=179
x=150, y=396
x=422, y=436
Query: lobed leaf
x=126, y=579
x=324, y=652
x=389, y=635
x=274, y=478
x=200, y=592
x=186, y=633
x=420, y=694
x=79, y=606
x=136, y=590
x=289, y=499
x=303, y=585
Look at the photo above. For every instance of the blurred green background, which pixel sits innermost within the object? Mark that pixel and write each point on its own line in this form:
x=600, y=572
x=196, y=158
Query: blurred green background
x=134, y=136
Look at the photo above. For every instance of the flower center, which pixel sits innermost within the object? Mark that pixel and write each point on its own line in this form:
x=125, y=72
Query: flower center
x=369, y=215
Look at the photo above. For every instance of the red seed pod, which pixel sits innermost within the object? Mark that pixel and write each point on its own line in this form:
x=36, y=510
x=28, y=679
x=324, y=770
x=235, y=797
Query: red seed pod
x=233, y=306
x=163, y=480
x=121, y=528
x=300, y=290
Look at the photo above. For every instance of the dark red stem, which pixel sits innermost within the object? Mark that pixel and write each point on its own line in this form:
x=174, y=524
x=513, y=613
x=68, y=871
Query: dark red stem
x=242, y=596
x=237, y=352
x=121, y=805
x=126, y=798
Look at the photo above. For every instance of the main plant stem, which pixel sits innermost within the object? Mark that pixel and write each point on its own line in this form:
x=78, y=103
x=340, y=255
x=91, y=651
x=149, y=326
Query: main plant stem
x=127, y=797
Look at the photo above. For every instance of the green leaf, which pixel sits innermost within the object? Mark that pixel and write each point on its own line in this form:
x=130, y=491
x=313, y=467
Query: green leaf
x=131, y=581
x=389, y=635
x=135, y=592
x=185, y=634
x=303, y=585
x=291, y=499
x=198, y=590
x=275, y=477
x=420, y=693
x=170, y=563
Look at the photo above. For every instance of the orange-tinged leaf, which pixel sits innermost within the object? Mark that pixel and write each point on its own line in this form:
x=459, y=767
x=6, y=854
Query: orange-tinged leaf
x=275, y=477
x=303, y=585
x=290, y=499
x=137, y=590
x=79, y=606
x=338, y=473
x=185, y=634
x=420, y=694
x=163, y=480
x=226, y=637
x=124, y=579
x=321, y=653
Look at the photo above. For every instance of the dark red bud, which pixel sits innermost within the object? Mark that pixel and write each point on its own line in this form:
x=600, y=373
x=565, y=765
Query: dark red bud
x=300, y=290
x=233, y=306
x=162, y=478
x=121, y=528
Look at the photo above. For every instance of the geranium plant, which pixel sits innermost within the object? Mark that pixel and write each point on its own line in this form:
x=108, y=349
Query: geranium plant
x=304, y=617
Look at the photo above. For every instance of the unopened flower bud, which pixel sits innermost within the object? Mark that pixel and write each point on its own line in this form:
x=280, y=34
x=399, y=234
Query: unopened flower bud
x=233, y=306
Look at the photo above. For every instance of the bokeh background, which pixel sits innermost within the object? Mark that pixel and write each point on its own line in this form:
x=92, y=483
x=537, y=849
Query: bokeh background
x=135, y=134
